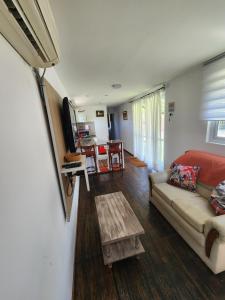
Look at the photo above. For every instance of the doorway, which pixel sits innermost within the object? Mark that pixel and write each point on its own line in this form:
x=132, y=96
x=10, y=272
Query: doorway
x=111, y=126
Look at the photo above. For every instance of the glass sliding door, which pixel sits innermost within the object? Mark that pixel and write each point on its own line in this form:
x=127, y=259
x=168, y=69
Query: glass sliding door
x=148, y=116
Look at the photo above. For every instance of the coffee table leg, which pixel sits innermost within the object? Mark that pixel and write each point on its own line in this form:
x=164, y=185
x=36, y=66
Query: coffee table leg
x=136, y=242
x=107, y=251
x=87, y=179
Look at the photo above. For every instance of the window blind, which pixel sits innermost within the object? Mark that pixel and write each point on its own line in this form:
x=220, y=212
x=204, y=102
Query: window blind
x=213, y=107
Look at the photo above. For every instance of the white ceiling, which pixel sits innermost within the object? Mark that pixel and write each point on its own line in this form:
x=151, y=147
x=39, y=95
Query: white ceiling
x=138, y=43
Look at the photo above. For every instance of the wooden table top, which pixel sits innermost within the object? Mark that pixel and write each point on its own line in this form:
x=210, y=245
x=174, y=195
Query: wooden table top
x=76, y=169
x=117, y=220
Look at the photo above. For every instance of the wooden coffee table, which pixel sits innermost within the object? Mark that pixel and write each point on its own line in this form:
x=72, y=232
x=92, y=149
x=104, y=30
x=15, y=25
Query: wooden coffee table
x=119, y=228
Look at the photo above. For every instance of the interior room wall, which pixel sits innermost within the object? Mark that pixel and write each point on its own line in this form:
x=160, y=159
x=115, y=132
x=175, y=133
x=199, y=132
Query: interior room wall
x=126, y=127
x=52, y=77
x=37, y=245
x=115, y=111
x=186, y=130
x=88, y=114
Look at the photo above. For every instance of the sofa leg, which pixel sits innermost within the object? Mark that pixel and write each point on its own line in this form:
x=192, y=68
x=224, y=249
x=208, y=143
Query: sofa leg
x=150, y=187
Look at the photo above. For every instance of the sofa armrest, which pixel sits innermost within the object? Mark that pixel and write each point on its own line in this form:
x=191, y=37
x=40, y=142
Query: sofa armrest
x=214, y=229
x=158, y=177
x=217, y=223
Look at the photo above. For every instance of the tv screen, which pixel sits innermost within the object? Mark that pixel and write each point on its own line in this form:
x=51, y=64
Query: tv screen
x=69, y=124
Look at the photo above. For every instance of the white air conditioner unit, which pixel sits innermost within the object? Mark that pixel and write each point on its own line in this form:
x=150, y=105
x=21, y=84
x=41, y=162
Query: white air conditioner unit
x=29, y=26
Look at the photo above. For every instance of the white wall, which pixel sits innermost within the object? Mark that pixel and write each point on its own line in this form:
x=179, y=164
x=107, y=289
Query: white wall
x=52, y=77
x=126, y=127
x=37, y=245
x=186, y=130
x=89, y=115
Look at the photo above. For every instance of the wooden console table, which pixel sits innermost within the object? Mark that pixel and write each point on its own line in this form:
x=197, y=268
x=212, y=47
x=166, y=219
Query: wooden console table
x=119, y=228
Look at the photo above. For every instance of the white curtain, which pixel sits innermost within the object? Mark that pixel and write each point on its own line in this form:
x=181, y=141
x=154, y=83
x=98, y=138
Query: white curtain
x=148, y=116
x=139, y=130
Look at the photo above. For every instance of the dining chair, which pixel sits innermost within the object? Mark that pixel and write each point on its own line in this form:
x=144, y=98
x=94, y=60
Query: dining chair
x=89, y=151
x=102, y=158
x=115, y=150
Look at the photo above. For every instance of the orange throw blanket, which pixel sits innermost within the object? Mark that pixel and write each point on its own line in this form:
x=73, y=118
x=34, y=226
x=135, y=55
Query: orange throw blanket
x=212, y=166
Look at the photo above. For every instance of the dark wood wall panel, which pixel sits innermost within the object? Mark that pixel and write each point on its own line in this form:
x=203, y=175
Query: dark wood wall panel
x=54, y=110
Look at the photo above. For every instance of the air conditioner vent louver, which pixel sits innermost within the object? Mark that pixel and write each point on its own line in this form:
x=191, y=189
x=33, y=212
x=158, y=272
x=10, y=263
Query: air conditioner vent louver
x=12, y=8
x=29, y=26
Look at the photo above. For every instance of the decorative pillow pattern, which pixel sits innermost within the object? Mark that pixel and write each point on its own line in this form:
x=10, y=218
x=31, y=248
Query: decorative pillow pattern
x=184, y=176
x=217, y=200
x=220, y=188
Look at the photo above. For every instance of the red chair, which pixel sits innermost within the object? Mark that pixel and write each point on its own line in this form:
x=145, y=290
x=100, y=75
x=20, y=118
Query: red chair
x=102, y=158
x=89, y=151
x=115, y=149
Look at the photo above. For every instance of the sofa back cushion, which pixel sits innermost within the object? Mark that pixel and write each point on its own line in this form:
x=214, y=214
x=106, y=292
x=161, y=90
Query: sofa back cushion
x=212, y=166
x=204, y=190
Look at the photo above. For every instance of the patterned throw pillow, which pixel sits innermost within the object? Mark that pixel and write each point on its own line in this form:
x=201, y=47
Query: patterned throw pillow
x=217, y=200
x=184, y=177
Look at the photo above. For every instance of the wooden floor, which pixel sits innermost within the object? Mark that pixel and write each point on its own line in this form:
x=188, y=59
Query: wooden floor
x=169, y=269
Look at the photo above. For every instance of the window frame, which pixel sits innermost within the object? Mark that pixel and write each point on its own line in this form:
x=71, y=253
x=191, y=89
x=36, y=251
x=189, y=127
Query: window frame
x=212, y=133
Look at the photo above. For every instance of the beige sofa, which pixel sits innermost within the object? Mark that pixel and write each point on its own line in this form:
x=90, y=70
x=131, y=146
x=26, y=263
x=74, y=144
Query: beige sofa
x=192, y=217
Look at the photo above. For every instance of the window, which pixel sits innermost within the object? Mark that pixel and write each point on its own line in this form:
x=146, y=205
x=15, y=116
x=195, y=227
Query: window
x=221, y=129
x=216, y=132
x=213, y=105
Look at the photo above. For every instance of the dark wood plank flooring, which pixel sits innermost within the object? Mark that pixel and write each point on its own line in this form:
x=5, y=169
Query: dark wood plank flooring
x=169, y=269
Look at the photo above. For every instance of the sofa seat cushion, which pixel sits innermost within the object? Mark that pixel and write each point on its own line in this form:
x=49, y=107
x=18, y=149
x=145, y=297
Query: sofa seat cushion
x=169, y=193
x=195, y=211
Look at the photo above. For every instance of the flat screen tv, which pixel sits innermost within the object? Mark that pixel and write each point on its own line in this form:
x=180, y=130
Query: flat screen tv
x=69, y=124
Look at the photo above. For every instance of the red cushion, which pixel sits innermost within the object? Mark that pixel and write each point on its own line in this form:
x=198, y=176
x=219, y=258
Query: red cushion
x=212, y=166
x=184, y=177
x=101, y=150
